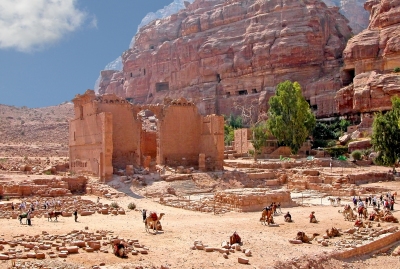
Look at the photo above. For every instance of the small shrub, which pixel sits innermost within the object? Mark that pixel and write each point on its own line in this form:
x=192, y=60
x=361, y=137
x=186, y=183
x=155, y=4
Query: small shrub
x=132, y=206
x=48, y=172
x=336, y=151
x=114, y=205
x=251, y=152
x=331, y=143
x=396, y=69
x=7, y=198
x=357, y=155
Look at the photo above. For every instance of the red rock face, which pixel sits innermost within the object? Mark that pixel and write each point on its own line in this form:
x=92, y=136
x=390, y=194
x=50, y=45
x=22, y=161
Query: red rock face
x=229, y=55
x=370, y=57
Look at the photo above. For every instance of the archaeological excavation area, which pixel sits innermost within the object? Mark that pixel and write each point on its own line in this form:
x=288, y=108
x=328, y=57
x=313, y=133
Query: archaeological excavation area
x=202, y=210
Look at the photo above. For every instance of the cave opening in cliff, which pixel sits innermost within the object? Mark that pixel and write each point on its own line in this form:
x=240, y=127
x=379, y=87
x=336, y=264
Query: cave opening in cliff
x=348, y=76
x=162, y=86
x=242, y=92
x=254, y=90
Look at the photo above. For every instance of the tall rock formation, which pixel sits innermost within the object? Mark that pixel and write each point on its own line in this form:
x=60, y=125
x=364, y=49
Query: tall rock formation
x=354, y=11
x=230, y=55
x=369, y=60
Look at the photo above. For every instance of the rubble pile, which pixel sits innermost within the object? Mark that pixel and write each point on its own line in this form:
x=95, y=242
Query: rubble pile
x=66, y=205
x=226, y=250
x=52, y=246
x=36, y=166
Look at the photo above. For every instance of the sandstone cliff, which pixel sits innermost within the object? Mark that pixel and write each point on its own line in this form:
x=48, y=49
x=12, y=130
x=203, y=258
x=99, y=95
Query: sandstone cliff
x=354, y=11
x=369, y=59
x=226, y=55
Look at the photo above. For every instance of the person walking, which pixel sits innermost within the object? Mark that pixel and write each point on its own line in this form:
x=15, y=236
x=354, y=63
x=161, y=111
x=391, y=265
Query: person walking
x=76, y=215
x=28, y=217
x=144, y=213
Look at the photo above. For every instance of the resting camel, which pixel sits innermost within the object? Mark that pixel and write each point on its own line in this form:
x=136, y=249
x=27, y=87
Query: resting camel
x=332, y=232
x=348, y=213
x=119, y=249
x=235, y=238
x=152, y=222
x=304, y=238
x=267, y=216
x=390, y=218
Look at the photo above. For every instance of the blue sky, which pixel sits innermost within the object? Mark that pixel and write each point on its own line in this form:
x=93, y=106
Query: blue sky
x=51, y=50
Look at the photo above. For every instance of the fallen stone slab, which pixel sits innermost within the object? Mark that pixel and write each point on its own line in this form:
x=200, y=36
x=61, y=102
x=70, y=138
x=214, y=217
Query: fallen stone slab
x=40, y=255
x=4, y=257
x=73, y=249
x=243, y=260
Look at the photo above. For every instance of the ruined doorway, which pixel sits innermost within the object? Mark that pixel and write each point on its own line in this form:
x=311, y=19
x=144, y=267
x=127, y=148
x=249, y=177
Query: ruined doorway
x=148, y=137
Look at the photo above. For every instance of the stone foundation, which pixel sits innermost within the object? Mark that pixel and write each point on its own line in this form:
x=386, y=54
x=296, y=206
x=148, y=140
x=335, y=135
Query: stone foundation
x=250, y=200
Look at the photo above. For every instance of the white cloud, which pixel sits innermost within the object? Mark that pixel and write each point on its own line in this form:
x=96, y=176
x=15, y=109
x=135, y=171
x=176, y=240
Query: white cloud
x=27, y=25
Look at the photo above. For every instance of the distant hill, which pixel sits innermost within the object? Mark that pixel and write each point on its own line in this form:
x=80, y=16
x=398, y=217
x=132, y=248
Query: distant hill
x=35, y=131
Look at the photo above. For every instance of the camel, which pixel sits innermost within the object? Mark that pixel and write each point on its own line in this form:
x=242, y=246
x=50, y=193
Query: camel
x=119, y=249
x=304, y=238
x=158, y=226
x=332, y=232
x=267, y=216
x=362, y=212
x=390, y=218
x=348, y=213
x=235, y=238
x=53, y=214
x=152, y=220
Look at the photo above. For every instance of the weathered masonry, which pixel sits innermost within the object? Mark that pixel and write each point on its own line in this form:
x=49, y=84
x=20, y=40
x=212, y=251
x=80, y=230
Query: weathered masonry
x=109, y=133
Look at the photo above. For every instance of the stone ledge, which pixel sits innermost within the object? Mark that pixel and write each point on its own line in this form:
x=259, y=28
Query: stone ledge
x=368, y=248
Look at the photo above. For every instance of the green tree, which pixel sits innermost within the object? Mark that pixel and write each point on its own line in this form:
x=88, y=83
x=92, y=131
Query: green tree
x=231, y=124
x=290, y=118
x=386, y=135
x=260, y=136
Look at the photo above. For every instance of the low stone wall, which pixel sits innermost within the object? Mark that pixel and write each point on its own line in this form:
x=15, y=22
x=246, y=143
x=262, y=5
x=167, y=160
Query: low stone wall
x=369, y=177
x=368, y=248
x=250, y=200
x=47, y=187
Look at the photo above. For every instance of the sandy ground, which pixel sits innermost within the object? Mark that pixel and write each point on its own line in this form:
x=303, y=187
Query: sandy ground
x=172, y=247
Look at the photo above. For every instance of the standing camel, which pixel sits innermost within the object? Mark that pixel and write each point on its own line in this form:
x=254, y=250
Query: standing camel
x=152, y=221
x=362, y=212
x=267, y=216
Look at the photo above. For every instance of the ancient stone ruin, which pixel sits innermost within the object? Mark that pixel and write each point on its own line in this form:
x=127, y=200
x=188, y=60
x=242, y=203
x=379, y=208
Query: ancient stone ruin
x=107, y=134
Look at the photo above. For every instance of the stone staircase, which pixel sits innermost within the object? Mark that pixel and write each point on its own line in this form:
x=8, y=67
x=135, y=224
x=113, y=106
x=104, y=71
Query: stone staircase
x=231, y=154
